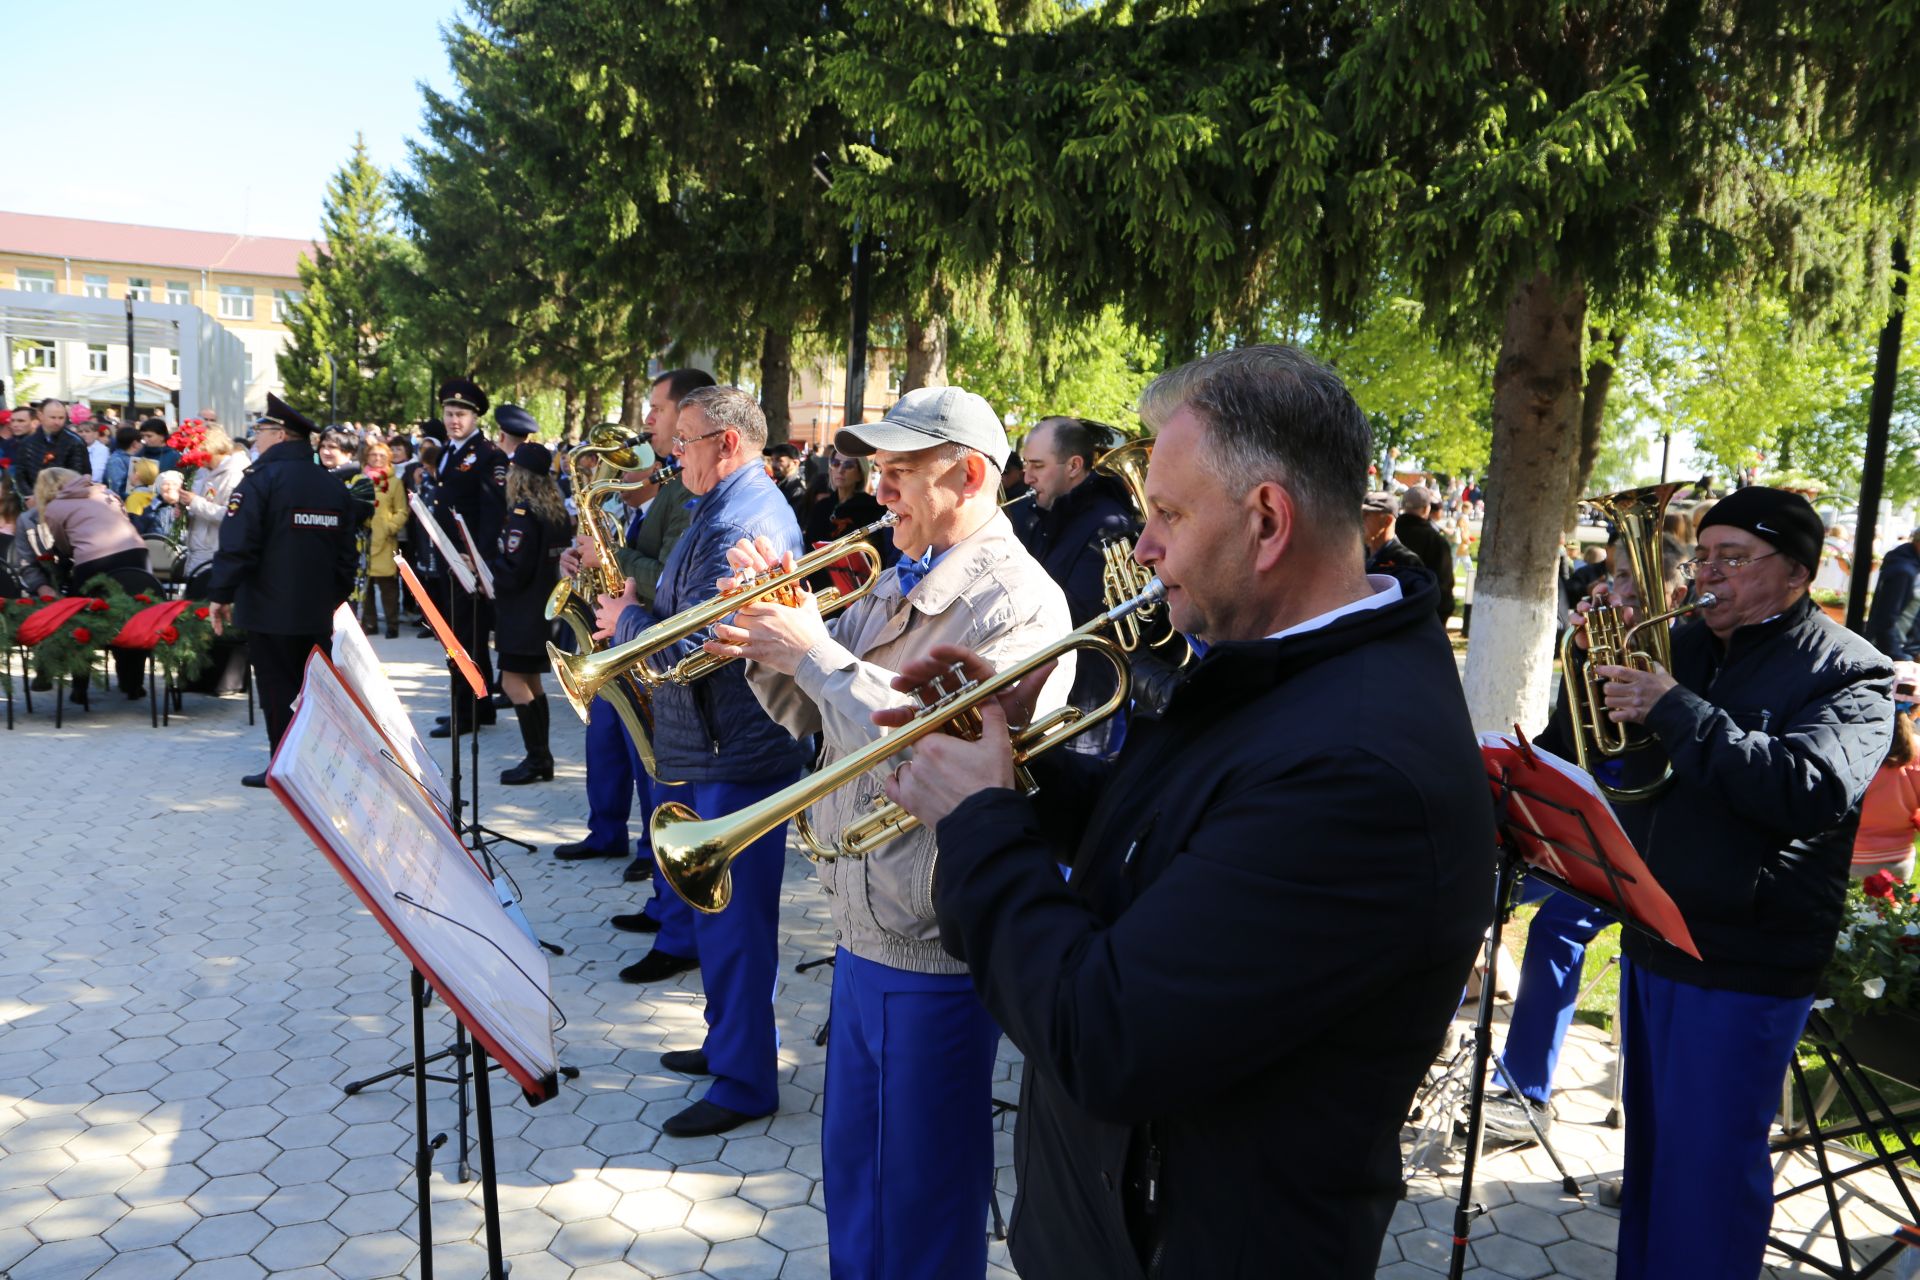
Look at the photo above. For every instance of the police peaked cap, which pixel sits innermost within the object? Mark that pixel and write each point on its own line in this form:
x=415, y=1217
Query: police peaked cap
x=516, y=421
x=464, y=393
x=533, y=457
x=283, y=415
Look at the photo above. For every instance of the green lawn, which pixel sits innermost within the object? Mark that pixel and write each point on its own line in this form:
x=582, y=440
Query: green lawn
x=1596, y=1006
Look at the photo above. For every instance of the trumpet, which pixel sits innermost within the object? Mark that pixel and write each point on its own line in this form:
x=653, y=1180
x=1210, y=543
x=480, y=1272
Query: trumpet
x=585, y=676
x=694, y=854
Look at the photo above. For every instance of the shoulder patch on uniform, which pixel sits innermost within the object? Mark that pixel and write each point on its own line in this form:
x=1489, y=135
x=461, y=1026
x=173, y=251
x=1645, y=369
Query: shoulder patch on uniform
x=233, y=503
x=513, y=540
x=520, y=510
x=500, y=474
x=309, y=518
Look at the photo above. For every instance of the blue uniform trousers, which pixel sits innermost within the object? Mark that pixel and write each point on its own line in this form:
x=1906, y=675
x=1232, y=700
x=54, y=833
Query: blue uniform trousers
x=611, y=766
x=1703, y=1075
x=906, y=1137
x=738, y=950
x=1549, y=987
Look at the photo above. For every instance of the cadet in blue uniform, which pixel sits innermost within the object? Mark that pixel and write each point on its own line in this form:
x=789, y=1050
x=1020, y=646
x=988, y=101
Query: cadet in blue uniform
x=471, y=481
x=286, y=561
x=524, y=571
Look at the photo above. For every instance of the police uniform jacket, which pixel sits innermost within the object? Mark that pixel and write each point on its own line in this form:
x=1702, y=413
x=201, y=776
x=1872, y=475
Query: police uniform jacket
x=472, y=481
x=287, y=553
x=1266, y=890
x=524, y=571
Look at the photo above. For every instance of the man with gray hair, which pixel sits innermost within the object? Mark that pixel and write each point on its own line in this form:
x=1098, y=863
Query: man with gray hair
x=1262, y=882
x=1415, y=529
x=713, y=737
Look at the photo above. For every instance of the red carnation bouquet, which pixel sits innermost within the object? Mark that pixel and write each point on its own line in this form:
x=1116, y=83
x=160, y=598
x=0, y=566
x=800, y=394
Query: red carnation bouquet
x=191, y=440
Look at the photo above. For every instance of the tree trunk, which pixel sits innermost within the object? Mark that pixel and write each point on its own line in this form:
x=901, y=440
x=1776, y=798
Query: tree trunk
x=1536, y=435
x=570, y=411
x=632, y=400
x=596, y=407
x=926, y=353
x=1603, y=352
x=776, y=382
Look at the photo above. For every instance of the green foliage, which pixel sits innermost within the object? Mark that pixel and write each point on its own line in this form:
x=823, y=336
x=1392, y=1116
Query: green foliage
x=1431, y=401
x=1094, y=369
x=346, y=315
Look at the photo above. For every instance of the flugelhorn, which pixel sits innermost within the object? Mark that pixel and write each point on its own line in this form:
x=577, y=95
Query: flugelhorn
x=694, y=855
x=1636, y=516
x=583, y=676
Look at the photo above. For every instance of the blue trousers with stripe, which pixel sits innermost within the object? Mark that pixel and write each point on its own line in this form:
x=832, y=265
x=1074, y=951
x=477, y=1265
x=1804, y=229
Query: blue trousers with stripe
x=1703, y=1075
x=1549, y=987
x=906, y=1139
x=738, y=950
x=612, y=768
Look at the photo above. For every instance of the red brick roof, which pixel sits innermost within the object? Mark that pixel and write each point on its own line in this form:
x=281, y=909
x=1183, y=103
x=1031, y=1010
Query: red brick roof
x=149, y=246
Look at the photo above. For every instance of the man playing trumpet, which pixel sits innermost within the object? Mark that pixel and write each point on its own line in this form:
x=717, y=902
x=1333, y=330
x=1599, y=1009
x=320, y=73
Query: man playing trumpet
x=1277, y=886
x=907, y=1135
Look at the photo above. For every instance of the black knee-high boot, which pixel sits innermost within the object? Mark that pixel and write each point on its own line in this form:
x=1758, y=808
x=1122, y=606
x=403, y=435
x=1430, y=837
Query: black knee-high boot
x=538, y=766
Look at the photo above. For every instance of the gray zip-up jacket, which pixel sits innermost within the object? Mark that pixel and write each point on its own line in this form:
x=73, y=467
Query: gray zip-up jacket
x=988, y=594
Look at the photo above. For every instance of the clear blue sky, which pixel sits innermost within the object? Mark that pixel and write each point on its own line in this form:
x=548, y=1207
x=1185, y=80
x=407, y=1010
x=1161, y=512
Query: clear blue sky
x=233, y=113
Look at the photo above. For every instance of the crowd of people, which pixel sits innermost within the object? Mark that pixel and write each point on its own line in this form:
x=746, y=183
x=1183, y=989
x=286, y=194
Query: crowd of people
x=1239, y=880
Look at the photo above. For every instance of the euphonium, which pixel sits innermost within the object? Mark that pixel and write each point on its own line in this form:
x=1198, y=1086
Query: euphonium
x=1122, y=577
x=694, y=854
x=1636, y=515
x=585, y=675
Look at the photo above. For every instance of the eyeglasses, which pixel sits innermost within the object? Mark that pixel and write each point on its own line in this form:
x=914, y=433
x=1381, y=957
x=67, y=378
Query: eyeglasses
x=1728, y=565
x=681, y=442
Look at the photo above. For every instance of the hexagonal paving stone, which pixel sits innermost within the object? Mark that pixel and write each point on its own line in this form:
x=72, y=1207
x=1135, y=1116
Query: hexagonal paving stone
x=755, y=1155
x=62, y=1260
x=78, y=1218
x=371, y=1212
x=795, y=1227
x=304, y=1244
x=579, y=1199
x=749, y=1259
x=155, y=1225
x=306, y=1164
x=727, y=1219
x=226, y=1236
x=94, y=1177
x=308, y=1202
x=368, y=1257
x=234, y=1193
x=705, y=1181
x=671, y=1252
x=163, y=1262
x=248, y=1155
x=584, y=1243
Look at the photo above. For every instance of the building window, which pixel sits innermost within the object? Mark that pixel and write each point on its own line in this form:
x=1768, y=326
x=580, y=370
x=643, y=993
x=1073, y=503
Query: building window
x=34, y=281
x=141, y=288
x=179, y=294
x=95, y=286
x=246, y=368
x=142, y=363
x=96, y=357
x=236, y=302
x=173, y=363
x=284, y=301
x=41, y=355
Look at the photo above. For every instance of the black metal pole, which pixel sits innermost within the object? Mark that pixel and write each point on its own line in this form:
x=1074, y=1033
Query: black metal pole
x=489, y=1183
x=1666, y=450
x=422, y=1148
x=132, y=411
x=1873, y=474
x=857, y=346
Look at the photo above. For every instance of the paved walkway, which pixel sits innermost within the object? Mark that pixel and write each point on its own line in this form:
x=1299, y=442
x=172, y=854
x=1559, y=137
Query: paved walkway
x=187, y=982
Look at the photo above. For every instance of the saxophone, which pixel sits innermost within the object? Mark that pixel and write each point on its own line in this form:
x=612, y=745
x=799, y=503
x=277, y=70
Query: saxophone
x=572, y=598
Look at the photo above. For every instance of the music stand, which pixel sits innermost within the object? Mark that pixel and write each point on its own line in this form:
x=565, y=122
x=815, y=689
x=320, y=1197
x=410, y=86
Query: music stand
x=1552, y=823
x=484, y=837
x=338, y=775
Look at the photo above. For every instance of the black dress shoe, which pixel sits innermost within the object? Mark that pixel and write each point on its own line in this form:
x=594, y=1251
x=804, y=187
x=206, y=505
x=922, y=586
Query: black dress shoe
x=446, y=731
x=637, y=870
x=655, y=965
x=438, y=720
x=704, y=1118
x=636, y=922
x=580, y=849
x=393, y=633
x=528, y=770
x=688, y=1062
x=255, y=779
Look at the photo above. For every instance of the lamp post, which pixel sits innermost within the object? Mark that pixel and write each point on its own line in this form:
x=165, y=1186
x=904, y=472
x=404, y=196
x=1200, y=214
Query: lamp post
x=333, y=391
x=132, y=409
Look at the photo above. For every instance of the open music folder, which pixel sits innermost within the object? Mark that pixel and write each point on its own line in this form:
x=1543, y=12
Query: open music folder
x=360, y=667
x=336, y=773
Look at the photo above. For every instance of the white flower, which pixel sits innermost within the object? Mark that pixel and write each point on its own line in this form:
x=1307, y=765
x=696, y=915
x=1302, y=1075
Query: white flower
x=1912, y=929
x=1873, y=988
x=1844, y=942
x=1823, y=1004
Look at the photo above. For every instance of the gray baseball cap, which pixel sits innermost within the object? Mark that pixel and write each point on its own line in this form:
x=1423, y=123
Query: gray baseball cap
x=927, y=417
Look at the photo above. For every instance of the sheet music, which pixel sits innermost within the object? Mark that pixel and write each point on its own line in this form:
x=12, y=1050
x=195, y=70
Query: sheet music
x=479, y=561
x=456, y=562
x=360, y=667
x=390, y=840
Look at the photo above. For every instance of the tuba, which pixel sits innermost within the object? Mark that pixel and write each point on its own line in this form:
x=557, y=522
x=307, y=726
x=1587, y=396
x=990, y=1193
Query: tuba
x=1636, y=515
x=694, y=854
x=587, y=675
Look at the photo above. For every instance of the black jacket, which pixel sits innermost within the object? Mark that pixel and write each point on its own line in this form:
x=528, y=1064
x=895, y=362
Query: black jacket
x=1272, y=897
x=1773, y=739
x=524, y=571
x=471, y=481
x=1392, y=557
x=287, y=553
x=1435, y=552
x=36, y=451
x=1066, y=539
x=1896, y=604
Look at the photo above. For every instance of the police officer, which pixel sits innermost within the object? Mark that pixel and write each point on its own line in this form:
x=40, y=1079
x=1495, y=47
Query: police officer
x=525, y=568
x=286, y=561
x=472, y=483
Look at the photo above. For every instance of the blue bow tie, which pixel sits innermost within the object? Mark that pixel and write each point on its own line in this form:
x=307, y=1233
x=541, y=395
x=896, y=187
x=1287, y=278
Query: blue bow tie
x=911, y=571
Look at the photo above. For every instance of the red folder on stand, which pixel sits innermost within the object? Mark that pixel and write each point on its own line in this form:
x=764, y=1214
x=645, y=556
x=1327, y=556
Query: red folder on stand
x=1563, y=827
x=448, y=641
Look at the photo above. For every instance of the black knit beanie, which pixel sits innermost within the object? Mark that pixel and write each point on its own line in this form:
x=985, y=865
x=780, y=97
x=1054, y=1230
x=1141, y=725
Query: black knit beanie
x=1785, y=520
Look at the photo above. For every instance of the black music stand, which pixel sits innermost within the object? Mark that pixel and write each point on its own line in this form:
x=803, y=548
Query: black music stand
x=483, y=837
x=1525, y=841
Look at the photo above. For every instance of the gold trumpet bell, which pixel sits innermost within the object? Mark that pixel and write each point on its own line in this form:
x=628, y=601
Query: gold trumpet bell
x=1128, y=464
x=698, y=870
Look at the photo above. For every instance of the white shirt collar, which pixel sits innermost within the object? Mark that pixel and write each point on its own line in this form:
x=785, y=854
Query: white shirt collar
x=1386, y=591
